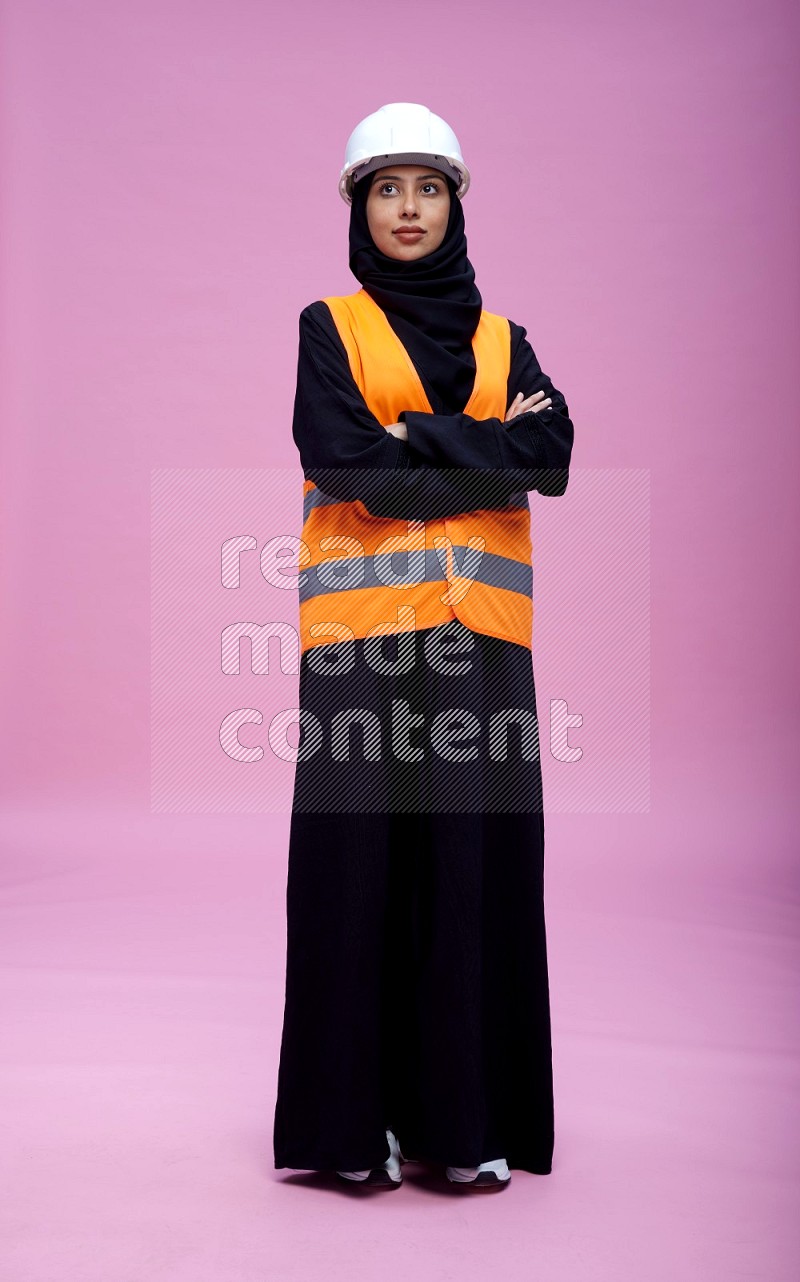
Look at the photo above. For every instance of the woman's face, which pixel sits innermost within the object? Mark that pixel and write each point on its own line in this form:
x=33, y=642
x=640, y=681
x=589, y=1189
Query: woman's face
x=407, y=210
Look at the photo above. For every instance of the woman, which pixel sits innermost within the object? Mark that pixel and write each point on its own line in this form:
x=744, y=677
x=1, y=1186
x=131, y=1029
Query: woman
x=417, y=1002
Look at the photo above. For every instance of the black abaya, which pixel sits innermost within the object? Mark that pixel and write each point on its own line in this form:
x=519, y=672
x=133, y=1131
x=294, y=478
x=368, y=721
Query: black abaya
x=416, y=973
x=416, y=985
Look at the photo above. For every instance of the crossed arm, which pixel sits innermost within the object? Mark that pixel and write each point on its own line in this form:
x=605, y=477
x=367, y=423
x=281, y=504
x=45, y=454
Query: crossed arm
x=450, y=463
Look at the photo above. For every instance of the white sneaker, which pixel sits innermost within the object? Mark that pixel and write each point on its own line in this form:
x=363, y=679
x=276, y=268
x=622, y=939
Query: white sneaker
x=488, y=1175
x=389, y=1175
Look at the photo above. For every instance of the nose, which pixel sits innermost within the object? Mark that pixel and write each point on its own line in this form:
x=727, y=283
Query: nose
x=410, y=204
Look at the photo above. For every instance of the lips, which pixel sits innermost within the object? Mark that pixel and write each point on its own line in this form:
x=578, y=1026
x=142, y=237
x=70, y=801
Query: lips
x=408, y=232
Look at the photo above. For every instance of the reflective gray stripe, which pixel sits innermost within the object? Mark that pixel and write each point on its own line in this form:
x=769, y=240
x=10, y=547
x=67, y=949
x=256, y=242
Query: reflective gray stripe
x=356, y=572
x=316, y=498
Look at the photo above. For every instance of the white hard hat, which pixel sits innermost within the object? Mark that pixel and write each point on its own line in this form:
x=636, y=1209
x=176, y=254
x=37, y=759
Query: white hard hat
x=408, y=134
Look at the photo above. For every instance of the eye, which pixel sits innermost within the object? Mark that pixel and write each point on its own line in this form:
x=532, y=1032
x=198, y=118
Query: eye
x=435, y=186
x=383, y=186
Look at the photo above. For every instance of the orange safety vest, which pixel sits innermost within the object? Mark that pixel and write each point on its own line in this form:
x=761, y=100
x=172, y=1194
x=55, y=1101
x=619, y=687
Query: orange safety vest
x=476, y=566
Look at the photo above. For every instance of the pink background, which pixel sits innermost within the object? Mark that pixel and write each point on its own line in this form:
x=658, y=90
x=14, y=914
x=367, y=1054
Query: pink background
x=169, y=205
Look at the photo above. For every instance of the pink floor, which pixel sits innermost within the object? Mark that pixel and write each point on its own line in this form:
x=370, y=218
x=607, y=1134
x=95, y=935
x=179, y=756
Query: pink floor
x=143, y=960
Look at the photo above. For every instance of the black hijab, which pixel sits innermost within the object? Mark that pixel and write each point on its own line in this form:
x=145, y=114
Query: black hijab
x=432, y=303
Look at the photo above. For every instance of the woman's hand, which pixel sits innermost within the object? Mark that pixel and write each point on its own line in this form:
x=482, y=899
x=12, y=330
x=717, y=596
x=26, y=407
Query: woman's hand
x=519, y=406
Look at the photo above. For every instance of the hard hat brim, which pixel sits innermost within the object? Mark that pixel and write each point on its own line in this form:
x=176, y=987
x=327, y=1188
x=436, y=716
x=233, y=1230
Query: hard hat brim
x=452, y=166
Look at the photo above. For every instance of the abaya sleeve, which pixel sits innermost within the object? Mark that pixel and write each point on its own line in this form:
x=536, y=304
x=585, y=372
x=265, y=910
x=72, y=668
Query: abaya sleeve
x=350, y=455
x=538, y=442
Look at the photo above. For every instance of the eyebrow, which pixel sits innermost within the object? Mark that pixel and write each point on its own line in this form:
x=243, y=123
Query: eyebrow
x=423, y=177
